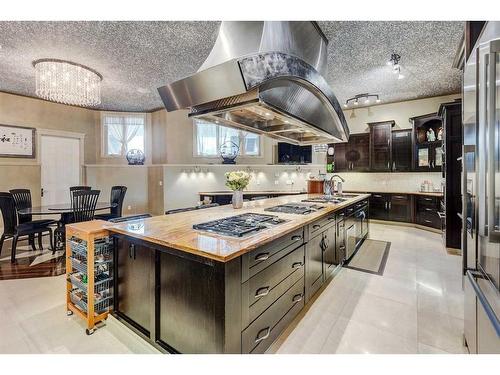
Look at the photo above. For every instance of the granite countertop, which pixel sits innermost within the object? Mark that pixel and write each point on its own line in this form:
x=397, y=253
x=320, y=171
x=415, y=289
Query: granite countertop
x=176, y=230
x=424, y=193
x=264, y=192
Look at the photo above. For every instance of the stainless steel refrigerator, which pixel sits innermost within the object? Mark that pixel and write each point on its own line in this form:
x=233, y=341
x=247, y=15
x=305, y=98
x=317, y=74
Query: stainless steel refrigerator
x=481, y=193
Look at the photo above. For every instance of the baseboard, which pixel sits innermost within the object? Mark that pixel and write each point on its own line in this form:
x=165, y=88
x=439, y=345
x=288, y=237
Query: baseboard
x=404, y=224
x=129, y=338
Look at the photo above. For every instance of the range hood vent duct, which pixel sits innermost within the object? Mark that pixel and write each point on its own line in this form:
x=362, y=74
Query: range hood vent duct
x=265, y=77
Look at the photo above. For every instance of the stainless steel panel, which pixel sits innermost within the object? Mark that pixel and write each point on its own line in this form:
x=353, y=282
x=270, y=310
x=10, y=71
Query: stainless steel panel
x=470, y=316
x=279, y=64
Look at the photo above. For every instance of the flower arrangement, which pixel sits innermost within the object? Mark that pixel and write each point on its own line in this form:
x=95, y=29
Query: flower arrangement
x=237, y=180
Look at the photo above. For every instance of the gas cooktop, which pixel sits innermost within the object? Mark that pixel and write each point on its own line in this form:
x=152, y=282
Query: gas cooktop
x=325, y=199
x=295, y=208
x=240, y=225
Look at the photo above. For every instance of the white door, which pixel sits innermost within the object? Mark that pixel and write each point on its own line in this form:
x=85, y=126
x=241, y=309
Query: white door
x=60, y=164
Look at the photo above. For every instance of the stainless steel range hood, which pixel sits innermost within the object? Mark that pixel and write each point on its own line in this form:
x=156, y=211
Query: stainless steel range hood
x=265, y=77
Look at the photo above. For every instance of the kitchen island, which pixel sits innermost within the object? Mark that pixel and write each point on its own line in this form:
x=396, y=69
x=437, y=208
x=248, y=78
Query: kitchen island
x=192, y=291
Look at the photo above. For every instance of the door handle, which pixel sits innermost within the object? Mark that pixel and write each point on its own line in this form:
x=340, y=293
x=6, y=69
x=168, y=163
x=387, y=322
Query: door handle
x=490, y=313
x=493, y=233
x=261, y=292
x=263, y=334
x=297, y=298
x=297, y=265
x=262, y=256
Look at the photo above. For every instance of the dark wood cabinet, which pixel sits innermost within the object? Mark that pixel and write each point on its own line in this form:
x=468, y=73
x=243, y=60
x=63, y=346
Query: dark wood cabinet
x=400, y=207
x=426, y=211
x=134, y=283
x=329, y=253
x=393, y=207
x=428, y=156
x=314, y=265
x=381, y=146
x=451, y=115
x=379, y=206
x=402, y=150
x=352, y=156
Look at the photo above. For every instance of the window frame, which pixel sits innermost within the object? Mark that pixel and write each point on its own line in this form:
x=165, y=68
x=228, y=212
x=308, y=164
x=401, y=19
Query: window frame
x=217, y=156
x=104, y=134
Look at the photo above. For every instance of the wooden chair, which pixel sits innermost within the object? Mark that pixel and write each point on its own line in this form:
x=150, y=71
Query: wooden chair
x=117, y=197
x=22, y=198
x=14, y=230
x=83, y=205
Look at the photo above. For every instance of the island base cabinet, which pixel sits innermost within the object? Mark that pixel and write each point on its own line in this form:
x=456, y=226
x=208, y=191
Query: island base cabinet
x=314, y=265
x=134, y=267
x=268, y=326
x=195, y=298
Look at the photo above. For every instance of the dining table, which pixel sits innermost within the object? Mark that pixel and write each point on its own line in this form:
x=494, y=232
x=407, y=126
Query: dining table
x=63, y=209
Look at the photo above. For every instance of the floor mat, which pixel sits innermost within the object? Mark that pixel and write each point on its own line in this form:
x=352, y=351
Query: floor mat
x=371, y=257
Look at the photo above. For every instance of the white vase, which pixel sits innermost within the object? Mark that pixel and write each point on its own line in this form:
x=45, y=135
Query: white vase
x=237, y=199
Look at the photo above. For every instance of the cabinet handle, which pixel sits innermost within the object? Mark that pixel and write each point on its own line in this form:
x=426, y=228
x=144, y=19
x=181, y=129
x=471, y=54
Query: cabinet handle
x=388, y=165
x=263, y=334
x=388, y=141
x=390, y=205
x=428, y=221
x=331, y=218
x=297, y=265
x=316, y=226
x=261, y=292
x=262, y=256
x=131, y=251
x=394, y=165
x=297, y=298
x=377, y=196
x=296, y=238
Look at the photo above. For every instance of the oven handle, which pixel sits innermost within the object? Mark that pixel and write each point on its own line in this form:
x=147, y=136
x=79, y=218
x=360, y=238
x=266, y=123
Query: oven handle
x=493, y=230
x=484, y=302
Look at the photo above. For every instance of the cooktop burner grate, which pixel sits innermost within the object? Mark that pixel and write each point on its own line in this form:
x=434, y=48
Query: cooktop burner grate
x=295, y=208
x=240, y=225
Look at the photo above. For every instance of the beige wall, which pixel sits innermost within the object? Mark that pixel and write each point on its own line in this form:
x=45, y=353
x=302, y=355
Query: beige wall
x=135, y=178
x=173, y=141
x=399, y=112
x=41, y=114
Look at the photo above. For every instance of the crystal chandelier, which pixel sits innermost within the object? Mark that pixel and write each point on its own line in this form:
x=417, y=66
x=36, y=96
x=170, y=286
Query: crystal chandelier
x=67, y=82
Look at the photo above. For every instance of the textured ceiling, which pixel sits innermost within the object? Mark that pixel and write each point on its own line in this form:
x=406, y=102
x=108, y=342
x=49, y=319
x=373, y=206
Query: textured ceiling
x=137, y=57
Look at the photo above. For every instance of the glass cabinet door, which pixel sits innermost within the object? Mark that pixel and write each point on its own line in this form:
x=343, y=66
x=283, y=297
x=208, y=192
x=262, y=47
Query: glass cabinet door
x=423, y=157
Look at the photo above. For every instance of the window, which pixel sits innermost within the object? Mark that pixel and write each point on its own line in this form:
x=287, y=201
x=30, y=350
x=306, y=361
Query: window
x=209, y=137
x=122, y=132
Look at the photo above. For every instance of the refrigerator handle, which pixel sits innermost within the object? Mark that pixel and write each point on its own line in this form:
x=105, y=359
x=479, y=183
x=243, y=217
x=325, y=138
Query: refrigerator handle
x=484, y=302
x=493, y=229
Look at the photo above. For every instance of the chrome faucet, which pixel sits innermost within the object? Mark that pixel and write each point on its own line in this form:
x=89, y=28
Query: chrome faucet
x=329, y=186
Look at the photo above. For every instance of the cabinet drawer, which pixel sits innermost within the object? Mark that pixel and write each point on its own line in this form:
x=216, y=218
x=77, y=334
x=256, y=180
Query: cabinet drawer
x=254, y=305
x=429, y=219
x=426, y=201
x=259, y=259
x=400, y=198
x=258, y=288
x=266, y=328
x=319, y=225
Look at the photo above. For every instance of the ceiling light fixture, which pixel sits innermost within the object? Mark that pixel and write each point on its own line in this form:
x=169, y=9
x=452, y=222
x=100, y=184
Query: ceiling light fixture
x=355, y=99
x=67, y=82
x=396, y=66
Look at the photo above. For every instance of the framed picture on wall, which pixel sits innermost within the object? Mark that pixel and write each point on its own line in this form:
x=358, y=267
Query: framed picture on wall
x=17, y=141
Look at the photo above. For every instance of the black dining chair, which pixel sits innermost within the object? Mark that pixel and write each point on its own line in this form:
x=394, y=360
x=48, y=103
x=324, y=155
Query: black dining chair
x=83, y=204
x=22, y=198
x=68, y=218
x=116, y=199
x=13, y=229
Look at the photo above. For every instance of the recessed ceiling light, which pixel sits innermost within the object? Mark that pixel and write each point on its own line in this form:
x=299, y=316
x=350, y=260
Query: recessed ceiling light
x=356, y=102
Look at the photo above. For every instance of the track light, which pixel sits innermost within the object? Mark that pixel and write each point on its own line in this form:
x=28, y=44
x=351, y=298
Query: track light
x=367, y=99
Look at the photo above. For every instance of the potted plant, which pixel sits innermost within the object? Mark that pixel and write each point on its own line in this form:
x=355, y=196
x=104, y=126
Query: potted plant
x=237, y=181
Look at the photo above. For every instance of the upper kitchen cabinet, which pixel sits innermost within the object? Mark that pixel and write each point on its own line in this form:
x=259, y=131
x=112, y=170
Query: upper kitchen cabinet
x=428, y=131
x=402, y=146
x=381, y=146
x=353, y=156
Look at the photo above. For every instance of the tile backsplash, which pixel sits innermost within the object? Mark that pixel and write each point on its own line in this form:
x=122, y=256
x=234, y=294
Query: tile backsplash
x=387, y=182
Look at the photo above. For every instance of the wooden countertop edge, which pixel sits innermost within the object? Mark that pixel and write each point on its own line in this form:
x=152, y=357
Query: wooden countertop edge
x=424, y=193
x=266, y=239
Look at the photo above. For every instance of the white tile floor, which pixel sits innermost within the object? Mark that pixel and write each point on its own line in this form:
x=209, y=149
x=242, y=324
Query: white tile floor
x=415, y=307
